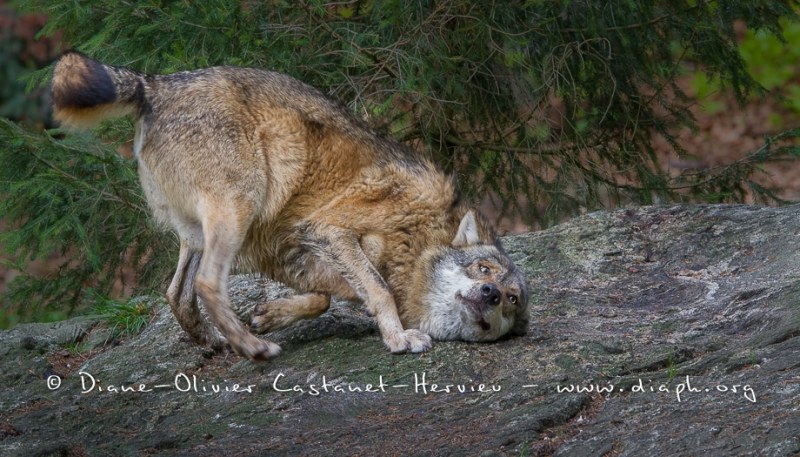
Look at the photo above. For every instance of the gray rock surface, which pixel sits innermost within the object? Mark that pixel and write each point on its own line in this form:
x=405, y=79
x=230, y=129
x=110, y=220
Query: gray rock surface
x=655, y=331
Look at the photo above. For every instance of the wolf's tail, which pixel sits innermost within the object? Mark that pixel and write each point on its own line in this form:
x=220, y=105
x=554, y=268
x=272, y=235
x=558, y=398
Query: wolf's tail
x=86, y=91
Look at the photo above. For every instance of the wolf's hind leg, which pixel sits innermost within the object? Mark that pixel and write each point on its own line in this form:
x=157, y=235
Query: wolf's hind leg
x=277, y=314
x=224, y=228
x=183, y=300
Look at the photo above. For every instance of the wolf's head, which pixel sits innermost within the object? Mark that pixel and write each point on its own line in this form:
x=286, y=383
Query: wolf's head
x=475, y=292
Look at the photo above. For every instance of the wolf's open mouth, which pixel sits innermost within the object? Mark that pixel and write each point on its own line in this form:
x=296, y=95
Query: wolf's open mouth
x=475, y=309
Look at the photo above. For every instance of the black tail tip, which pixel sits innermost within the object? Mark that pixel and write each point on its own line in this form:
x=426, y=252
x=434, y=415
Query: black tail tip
x=81, y=82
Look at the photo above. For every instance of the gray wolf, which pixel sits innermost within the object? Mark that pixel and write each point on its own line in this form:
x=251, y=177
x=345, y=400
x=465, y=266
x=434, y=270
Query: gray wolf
x=256, y=167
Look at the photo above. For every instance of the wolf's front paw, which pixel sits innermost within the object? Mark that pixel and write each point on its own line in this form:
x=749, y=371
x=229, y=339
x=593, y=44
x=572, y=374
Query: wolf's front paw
x=409, y=341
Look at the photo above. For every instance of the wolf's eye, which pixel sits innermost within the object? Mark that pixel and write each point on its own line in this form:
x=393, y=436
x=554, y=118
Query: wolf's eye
x=484, y=269
x=513, y=299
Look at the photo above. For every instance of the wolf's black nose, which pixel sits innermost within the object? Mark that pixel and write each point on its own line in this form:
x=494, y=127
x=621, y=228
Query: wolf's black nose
x=491, y=294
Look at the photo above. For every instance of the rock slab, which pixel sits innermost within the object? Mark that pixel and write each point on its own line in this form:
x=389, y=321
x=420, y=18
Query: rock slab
x=654, y=331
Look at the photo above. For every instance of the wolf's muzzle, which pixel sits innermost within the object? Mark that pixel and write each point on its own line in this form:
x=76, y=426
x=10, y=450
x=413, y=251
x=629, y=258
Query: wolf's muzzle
x=490, y=294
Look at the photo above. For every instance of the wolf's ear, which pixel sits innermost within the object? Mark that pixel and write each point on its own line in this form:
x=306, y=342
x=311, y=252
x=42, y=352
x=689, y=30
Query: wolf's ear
x=472, y=231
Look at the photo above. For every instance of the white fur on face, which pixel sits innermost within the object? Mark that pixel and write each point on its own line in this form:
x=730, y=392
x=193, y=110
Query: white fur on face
x=450, y=314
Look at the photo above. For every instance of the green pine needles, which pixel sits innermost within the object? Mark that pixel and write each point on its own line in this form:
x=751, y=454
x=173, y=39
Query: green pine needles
x=550, y=105
x=79, y=200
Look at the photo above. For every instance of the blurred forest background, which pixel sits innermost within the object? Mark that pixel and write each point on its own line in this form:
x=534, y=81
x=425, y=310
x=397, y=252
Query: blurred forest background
x=542, y=109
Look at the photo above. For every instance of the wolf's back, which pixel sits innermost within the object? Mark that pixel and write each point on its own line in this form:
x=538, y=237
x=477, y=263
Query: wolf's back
x=86, y=91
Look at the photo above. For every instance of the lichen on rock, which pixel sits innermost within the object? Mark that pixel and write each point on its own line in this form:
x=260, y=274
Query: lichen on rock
x=654, y=331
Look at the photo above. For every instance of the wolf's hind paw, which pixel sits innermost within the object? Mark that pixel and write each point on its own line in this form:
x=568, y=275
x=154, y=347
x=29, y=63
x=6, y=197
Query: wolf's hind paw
x=409, y=341
x=268, y=317
x=258, y=349
x=216, y=341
